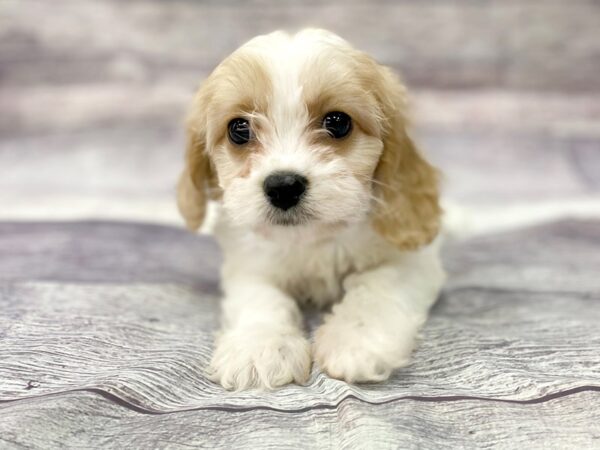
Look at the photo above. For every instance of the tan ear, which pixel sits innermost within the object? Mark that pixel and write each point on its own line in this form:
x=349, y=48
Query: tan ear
x=408, y=213
x=195, y=182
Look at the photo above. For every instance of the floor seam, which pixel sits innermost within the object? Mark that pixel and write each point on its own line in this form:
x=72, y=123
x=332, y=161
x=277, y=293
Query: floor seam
x=113, y=398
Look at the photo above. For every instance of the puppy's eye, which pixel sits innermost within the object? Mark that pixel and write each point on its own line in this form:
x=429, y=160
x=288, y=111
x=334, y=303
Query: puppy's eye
x=337, y=123
x=239, y=131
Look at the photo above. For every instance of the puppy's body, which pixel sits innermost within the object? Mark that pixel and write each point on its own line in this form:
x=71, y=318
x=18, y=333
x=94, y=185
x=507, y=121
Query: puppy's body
x=309, y=264
x=325, y=198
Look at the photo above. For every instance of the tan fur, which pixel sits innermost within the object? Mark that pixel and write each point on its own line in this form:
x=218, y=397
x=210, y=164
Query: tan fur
x=238, y=87
x=194, y=183
x=409, y=214
x=406, y=214
x=325, y=90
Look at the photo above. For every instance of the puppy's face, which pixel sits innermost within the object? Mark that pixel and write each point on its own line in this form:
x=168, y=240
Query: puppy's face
x=304, y=130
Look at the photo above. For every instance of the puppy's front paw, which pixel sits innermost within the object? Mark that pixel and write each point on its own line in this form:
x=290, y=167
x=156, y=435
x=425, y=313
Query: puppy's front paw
x=353, y=351
x=262, y=359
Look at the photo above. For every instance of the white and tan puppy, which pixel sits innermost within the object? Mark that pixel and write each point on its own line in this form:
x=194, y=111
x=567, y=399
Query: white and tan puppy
x=324, y=198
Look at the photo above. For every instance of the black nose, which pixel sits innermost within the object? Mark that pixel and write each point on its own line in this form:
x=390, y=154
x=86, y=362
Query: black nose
x=284, y=189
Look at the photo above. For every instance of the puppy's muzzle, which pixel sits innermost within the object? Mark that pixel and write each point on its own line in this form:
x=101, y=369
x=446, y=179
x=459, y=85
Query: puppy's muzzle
x=285, y=189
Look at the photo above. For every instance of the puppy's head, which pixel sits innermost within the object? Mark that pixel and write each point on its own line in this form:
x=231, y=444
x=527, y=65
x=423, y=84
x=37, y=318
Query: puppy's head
x=304, y=130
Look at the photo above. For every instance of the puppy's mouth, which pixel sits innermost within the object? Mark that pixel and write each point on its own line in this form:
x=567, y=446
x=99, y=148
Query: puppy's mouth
x=289, y=218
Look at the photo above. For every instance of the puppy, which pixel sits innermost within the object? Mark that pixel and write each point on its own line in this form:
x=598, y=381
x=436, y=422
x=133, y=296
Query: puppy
x=323, y=198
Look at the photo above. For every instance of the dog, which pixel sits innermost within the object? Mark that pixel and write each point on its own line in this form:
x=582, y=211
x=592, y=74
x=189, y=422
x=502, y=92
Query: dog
x=322, y=197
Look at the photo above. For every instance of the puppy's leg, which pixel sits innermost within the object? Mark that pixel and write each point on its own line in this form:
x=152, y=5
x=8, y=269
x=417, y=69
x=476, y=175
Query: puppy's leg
x=373, y=330
x=261, y=343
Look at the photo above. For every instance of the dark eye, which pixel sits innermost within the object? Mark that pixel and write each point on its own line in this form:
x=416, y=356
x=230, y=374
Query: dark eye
x=337, y=123
x=239, y=131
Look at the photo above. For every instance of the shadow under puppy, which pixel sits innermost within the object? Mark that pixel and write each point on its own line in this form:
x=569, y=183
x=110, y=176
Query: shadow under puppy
x=323, y=197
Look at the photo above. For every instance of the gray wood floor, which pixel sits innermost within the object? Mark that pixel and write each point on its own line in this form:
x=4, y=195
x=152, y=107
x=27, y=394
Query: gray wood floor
x=105, y=326
x=106, y=329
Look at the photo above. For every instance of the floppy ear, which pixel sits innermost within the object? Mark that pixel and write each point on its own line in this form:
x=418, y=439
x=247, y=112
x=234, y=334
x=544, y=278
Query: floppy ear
x=408, y=213
x=198, y=182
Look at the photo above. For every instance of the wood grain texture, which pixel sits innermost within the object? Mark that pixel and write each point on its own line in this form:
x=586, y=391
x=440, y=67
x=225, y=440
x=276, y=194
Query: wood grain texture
x=105, y=327
x=131, y=318
x=87, y=420
x=512, y=44
x=506, y=94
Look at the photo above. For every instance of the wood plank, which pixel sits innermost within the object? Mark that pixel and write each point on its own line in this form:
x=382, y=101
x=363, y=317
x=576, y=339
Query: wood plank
x=86, y=420
x=115, y=307
x=443, y=44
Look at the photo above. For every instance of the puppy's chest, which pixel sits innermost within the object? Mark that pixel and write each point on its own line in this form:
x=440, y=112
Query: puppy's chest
x=314, y=275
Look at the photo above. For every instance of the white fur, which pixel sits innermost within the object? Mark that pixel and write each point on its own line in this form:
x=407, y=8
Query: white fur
x=385, y=296
x=381, y=294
